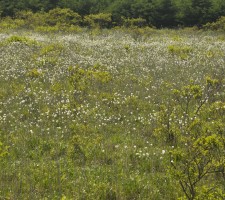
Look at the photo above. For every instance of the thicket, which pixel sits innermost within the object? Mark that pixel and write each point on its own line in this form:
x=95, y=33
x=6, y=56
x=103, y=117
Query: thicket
x=159, y=13
x=218, y=25
x=65, y=19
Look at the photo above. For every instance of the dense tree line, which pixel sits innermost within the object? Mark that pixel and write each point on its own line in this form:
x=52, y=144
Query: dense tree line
x=159, y=13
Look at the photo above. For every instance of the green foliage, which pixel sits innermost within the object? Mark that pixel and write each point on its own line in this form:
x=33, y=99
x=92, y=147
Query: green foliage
x=34, y=73
x=164, y=13
x=8, y=23
x=159, y=13
x=137, y=22
x=196, y=155
x=196, y=12
x=63, y=17
x=219, y=25
x=101, y=20
x=3, y=151
x=55, y=20
x=32, y=20
x=19, y=39
x=82, y=79
x=182, y=51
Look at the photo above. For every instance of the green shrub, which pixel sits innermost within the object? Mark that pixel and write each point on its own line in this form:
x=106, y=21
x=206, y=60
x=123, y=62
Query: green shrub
x=20, y=39
x=101, y=20
x=63, y=16
x=181, y=51
x=192, y=125
x=46, y=29
x=9, y=23
x=34, y=73
x=55, y=20
x=27, y=16
x=38, y=19
x=218, y=25
x=31, y=20
x=3, y=150
x=133, y=22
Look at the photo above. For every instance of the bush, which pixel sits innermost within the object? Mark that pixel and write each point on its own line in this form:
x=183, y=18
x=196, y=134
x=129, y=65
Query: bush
x=133, y=22
x=55, y=20
x=193, y=125
x=20, y=39
x=31, y=20
x=101, y=20
x=9, y=23
x=63, y=16
x=218, y=25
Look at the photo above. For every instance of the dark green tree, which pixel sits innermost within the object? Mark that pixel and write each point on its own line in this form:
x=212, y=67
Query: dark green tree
x=143, y=9
x=121, y=9
x=8, y=7
x=72, y=4
x=52, y=4
x=165, y=13
x=84, y=7
x=198, y=13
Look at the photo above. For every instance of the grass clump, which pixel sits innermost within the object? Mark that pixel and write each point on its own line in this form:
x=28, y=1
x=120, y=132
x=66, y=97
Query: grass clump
x=19, y=39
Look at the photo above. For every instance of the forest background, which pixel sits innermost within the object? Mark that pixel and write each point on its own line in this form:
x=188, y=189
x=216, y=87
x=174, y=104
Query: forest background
x=157, y=13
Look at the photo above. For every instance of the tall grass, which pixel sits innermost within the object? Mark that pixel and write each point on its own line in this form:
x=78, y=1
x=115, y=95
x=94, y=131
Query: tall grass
x=86, y=115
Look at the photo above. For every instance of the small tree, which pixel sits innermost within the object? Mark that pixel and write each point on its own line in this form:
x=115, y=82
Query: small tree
x=193, y=124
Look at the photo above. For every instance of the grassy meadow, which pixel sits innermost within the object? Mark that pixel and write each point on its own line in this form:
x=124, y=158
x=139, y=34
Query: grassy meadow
x=112, y=115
